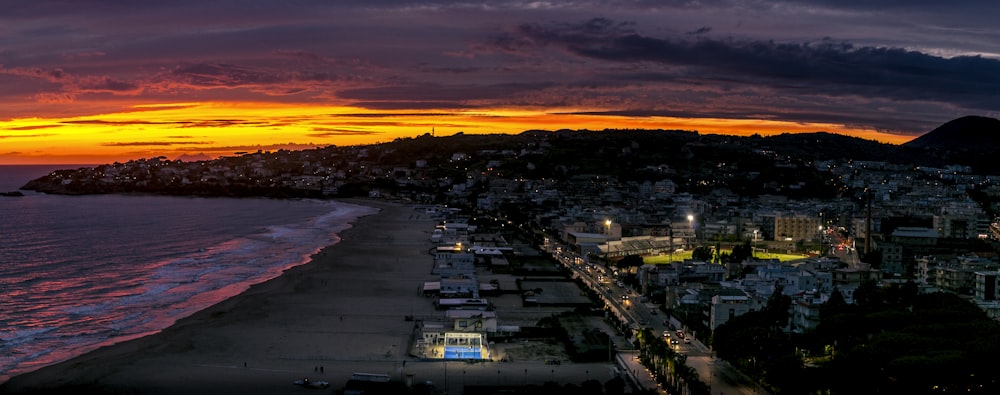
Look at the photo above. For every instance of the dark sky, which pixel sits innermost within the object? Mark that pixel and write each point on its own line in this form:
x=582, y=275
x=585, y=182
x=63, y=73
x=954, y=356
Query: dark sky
x=894, y=66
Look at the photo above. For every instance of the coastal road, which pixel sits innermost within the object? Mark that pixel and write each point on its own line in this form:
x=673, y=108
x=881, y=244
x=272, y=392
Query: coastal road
x=721, y=377
x=453, y=376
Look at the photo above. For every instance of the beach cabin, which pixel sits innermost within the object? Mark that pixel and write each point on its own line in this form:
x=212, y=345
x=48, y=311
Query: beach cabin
x=473, y=320
x=459, y=287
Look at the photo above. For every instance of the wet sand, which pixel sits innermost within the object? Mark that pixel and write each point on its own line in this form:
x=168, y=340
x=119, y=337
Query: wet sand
x=344, y=311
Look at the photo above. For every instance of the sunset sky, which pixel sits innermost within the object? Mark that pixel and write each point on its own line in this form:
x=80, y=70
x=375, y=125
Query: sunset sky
x=97, y=81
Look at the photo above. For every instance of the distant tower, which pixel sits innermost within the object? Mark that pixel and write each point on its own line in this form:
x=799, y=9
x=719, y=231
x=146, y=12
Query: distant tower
x=432, y=131
x=868, y=222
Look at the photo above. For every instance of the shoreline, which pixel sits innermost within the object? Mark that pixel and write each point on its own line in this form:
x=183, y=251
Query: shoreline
x=343, y=311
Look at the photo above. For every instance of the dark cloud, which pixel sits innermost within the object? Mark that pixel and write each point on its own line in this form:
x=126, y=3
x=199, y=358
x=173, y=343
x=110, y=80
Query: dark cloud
x=114, y=123
x=162, y=107
x=56, y=75
x=440, y=92
x=390, y=115
x=214, y=123
x=409, y=105
x=66, y=87
x=248, y=148
x=105, y=84
x=14, y=136
x=225, y=75
x=334, y=132
x=890, y=4
x=218, y=123
x=833, y=67
x=701, y=30
x=33, y=127
x=153, y=143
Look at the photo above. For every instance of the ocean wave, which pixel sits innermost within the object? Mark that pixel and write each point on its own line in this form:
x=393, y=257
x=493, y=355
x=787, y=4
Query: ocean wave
x=128, y=288
x=15, y=336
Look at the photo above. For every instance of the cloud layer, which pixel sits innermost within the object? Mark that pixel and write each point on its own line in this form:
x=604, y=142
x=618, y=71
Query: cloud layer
x=904, y=67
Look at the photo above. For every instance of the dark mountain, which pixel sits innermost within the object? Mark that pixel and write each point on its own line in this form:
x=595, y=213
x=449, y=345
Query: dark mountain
x=971, y=133
x=823, y=145
x=971, y=141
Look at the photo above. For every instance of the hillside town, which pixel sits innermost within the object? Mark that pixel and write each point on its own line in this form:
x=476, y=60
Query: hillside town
x=720, y=224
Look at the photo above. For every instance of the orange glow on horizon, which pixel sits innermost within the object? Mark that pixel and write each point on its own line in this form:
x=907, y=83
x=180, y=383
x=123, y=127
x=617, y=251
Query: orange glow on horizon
x=220, y=129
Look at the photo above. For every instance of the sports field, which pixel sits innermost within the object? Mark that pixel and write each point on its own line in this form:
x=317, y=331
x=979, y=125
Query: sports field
x=682, y=255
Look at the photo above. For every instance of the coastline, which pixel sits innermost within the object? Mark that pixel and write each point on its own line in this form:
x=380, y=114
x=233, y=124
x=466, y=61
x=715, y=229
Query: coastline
x=344, y=310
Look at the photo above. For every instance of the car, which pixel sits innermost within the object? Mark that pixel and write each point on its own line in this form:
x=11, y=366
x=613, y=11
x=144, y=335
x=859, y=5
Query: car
x=315, y=384
x=666, y=333
x=674, y=341
x=652, y=312
x=687, y=340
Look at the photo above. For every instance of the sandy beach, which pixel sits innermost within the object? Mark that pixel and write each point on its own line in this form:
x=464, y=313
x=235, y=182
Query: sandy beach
x=341, y=313
x=344, y=311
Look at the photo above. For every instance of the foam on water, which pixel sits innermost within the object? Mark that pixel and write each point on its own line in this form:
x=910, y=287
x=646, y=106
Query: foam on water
x=59, y=306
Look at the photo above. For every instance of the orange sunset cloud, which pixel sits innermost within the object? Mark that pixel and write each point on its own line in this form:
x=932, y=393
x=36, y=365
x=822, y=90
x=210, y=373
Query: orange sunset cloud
x=221, y=129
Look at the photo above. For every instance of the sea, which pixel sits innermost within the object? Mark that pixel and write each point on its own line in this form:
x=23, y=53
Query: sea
x=81, y=272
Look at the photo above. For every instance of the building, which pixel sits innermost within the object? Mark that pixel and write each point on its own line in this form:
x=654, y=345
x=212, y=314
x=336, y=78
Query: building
x=726, y=307
x=892, y=258
x=805, y=315
x=851, y=278
x=472, y=320
x=987, y=284
x=913, y=236
x=960, y=275
x=795, y=228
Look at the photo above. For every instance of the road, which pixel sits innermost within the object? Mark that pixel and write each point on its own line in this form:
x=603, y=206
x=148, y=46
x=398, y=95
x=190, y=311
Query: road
x=722, y=377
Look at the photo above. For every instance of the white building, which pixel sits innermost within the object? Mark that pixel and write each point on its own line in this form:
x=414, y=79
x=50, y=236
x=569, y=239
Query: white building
x=725, y=308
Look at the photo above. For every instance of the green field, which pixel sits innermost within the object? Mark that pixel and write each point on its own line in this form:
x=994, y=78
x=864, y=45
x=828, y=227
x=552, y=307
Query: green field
x=680, y=256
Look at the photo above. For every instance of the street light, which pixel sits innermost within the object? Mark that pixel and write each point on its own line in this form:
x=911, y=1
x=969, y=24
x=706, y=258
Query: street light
x=753, y=249
x=690, y=219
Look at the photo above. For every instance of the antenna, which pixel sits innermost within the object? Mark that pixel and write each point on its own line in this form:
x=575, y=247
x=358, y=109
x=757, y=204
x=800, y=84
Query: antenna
x=868, y=221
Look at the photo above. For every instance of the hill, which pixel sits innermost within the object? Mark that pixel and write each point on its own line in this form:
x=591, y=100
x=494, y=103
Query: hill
x=966, y=133
x=971, y=141
x=748, y=166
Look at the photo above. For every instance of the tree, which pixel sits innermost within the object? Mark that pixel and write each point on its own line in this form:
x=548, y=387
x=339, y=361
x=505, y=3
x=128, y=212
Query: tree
x=702, y=253
x=629, y=262
x=615, y=386
x=741, y=252
x=777, y=309
x=867, y=295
